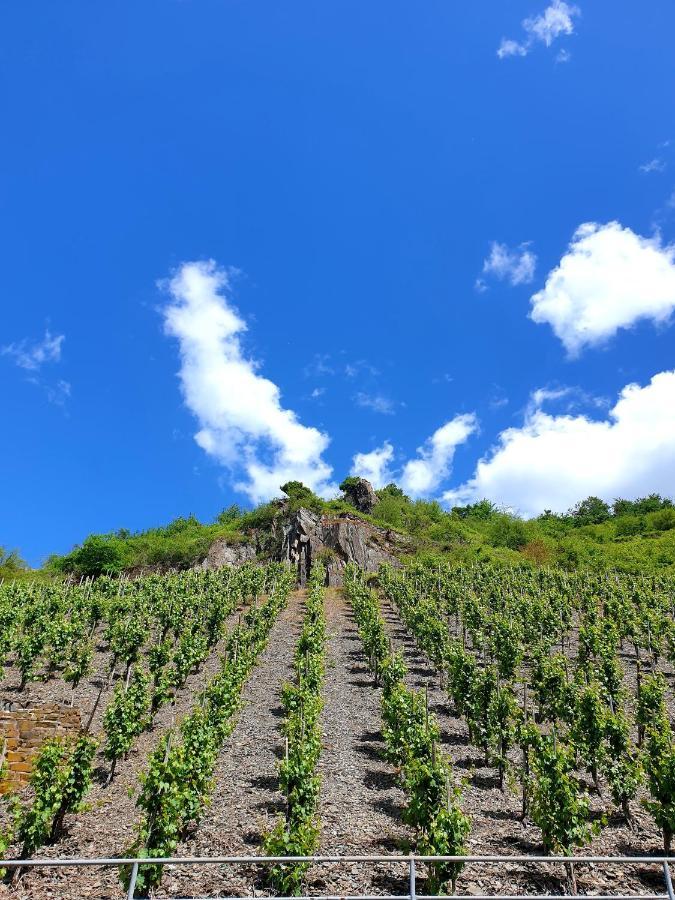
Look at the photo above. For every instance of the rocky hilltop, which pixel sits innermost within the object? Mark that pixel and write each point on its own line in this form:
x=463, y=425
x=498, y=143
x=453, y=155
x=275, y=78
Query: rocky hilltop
x=302, y=537
x=336, y=541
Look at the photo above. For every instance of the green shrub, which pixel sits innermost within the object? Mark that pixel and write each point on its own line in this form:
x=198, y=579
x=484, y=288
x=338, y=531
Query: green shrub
x=664, y=520
x=389, y=510
x=591, y=511
x=229, y=514
x=98, y=555
x=300, y=496
x=629, y=526
x=507, y=531
x=11, y=564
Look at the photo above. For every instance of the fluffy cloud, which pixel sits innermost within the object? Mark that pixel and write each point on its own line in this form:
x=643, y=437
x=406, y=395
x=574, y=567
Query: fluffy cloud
x=375, y=466
x=242, y=422
x=515, y=266
x=610, y=278
x=551, y=462
x=556, y=20
x=509, y=47
x=32, y=355
x=423, y=475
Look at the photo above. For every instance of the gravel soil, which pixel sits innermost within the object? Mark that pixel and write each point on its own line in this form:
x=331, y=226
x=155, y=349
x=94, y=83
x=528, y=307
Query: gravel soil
x=245, y=801
x=360, y=803
x=106, y=826
x=496, y=826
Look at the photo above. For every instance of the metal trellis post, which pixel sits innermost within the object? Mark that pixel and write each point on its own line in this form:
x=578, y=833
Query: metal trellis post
x=132, y=881
x=669, y=880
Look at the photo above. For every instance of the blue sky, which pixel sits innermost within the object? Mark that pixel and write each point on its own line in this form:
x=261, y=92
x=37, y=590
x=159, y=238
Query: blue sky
x=382, y=188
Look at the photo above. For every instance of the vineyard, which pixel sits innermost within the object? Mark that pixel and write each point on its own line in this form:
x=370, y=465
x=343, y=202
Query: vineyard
x=442, y=710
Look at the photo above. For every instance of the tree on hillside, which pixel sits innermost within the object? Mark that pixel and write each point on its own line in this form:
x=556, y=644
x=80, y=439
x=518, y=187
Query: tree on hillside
x=300, y=495
x=591, y=511
x=389, y=490
x=97, y=556
x=10, y=563
x=229, y=514
x=483, y=509
x=640, y=506
x=507, y=531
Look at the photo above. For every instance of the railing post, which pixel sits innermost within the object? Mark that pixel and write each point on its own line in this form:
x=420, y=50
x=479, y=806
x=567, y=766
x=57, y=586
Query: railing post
x=669, y=880
x=132, y=882
x=413, y=879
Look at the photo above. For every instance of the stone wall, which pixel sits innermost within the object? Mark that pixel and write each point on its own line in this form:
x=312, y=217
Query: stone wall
x=24, y=731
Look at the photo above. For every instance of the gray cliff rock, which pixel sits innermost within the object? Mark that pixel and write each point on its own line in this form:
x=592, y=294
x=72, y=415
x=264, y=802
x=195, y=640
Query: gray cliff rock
x=360, y=494
x=336, y=541
x=223, y=554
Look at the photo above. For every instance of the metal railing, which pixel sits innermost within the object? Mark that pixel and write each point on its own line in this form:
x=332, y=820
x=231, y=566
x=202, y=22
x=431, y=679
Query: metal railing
x=411, y=862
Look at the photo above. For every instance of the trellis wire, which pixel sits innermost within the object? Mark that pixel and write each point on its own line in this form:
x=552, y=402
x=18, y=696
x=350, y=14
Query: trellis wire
x=410, y=861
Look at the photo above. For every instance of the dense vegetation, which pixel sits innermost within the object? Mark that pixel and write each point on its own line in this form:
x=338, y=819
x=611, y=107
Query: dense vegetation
x=630, y=535
x=560, y=679
x=156, y=630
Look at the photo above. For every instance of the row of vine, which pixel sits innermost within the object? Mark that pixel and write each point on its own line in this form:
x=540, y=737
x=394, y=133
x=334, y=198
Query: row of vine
x=296, y=832
x=412, y=737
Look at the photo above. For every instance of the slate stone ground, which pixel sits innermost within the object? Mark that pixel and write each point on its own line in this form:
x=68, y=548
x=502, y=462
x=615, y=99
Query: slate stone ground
x=496, y=827
x=245, y=801
x=106, y=828
x=360, y=802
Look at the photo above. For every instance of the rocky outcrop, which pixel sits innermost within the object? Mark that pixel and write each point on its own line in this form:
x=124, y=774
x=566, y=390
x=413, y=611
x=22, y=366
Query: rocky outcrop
x=360, y=494
x=336, y=541
x=222, y=553
x=301, y=538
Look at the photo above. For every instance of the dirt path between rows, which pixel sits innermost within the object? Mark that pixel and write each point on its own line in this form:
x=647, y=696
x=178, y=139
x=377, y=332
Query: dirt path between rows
x=360, y=804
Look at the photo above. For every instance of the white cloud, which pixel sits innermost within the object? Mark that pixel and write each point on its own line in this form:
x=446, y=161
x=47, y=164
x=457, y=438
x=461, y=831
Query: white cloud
x=610, y=278
x=551, y=462
x=654, y=165
x=32, y=355
x=575, y=398
x=374, y=466
x=515, y=266
x=375, y=402
x=58, y=393
x=545, y=395
x=498, y=399
x=423, y=475
x=556, y=20
x=511, y=48
x=242, y=422
x=360, y=367
x=320, y=366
